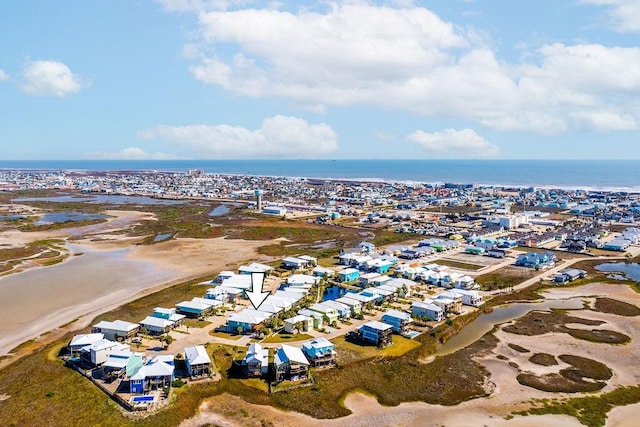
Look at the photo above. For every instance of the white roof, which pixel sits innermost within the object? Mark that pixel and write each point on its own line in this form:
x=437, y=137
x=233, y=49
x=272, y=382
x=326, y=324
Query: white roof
x=249, y=316
x=157, y=369
x=374, y=324
x=239, y=281
x=85, y=339
x=156, y=322
x=302, y=278
x=166, y=358
x=196, y=355
x=298, y=318
x=287, y=353
x=165, y=311
x=118, y=359
x=256, y=352
x=116, y=325
x=336, y=304
x=319, y=342
x=348, y=301
x=397, y=314
x=199, y=303
x=105, y=344
x=426, y=306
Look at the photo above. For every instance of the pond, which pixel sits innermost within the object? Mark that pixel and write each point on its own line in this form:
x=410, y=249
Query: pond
x=11, y=217
x=629, y=270
x=103, y=198
x=333, y=292
x=56, y=217
x=162, y=237
x=219, y=211
x=486, y=321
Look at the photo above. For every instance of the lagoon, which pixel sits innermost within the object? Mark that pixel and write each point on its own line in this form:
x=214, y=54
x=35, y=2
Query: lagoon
x=629, y=270
x=486, y=321
x=40, y=299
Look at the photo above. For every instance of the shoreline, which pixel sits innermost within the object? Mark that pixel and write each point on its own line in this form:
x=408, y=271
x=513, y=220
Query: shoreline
x=136, y=271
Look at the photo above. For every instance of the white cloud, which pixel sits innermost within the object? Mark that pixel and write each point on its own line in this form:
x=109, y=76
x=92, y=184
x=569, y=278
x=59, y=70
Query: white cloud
x=358, y=53
x=625, y=14
x=130, y=153
x=278, y=137
x=3, y=76
x=50, y=78
x=451, y=143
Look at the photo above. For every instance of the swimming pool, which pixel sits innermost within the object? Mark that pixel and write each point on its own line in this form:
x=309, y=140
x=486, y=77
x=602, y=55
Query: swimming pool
x=143, y=399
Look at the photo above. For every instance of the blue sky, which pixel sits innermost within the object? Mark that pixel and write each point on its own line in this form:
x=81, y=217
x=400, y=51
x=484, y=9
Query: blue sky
x=224, y=79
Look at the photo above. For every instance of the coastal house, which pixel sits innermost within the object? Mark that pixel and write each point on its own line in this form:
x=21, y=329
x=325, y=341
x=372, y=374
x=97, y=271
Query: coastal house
x=82, y=340
x=452, y=296
x=97, y=352
x=255, y=267
x=320, y=271
x=366, y=247
x=247, y=320
x=198, y=307
x=219, y=293
x=348, y=275
x=320, y=352
x=330, y=313
x=152, y=376
x=569, y=275
x=472, y=298
x=376, y=333
x=538, y=260
x=344, y=311
x=367, y=279
x=354, y=305
x=122, y=363
x=118, y=330
x=311, y=261
x=398, y=320
x=197, y=361
x=290, y=363
x=299, y=323
x=169, y=314
x=256, y=361
x=156, y=325
x=317, y=319
x=294, y=263
x=422, y=309
x=302, y=279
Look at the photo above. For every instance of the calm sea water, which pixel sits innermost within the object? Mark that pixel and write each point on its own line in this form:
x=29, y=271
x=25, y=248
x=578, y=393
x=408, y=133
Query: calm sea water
x=596, y=174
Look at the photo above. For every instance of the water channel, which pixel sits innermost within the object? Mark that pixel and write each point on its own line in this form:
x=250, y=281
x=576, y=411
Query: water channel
x=486, y=321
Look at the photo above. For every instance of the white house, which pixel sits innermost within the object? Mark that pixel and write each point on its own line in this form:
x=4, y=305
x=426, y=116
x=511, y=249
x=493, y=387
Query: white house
x=118, y=329
x=472, y=298
x=429, y=310
x=83, y=340
x=197, y=361
x=305, y=323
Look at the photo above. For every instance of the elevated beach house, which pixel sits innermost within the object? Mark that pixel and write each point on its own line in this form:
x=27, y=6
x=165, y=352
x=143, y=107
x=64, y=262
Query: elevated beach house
x=290, y=363
x=256, y=362
x=320, y=352
x=197, y=361
x=118, y=330
x=376, y=333
x=398, y=320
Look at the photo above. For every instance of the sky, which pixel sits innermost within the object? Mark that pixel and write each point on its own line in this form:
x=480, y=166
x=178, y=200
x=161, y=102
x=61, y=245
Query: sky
x=251, y=79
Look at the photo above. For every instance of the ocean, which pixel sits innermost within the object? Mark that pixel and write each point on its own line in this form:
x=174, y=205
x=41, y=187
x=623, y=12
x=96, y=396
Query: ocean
x=623, y=175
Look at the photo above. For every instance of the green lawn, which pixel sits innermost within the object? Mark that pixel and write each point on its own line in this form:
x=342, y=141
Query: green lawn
x=278, y=338
x=195, y=323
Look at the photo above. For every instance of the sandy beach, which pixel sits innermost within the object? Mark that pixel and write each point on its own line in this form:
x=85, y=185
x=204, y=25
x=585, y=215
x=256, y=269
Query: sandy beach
x=507, y=395
x=107, y=271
